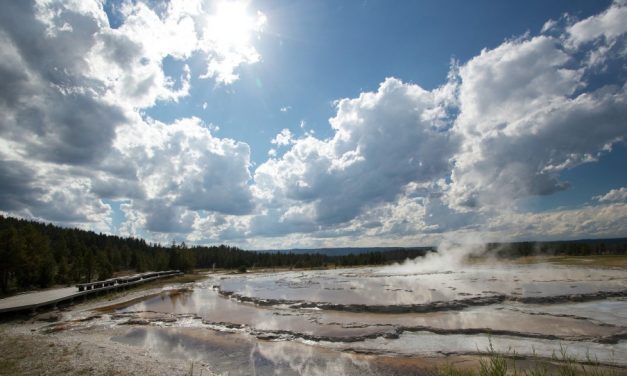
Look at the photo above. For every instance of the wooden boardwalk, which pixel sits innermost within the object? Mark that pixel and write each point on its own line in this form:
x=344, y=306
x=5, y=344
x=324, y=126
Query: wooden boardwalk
x=49, y=298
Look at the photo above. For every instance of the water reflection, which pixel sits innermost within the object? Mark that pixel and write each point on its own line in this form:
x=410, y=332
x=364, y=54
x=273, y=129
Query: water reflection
x=238, y=355
x=284, y=322
x=268, y=332
x=213, y=309
x=429, y=344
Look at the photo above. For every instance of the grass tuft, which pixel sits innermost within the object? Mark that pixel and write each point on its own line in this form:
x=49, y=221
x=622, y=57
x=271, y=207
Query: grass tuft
x=561, y=364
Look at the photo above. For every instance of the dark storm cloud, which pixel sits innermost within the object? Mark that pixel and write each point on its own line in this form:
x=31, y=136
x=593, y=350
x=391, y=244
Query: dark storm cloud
x=50, y=106
x=16, y=186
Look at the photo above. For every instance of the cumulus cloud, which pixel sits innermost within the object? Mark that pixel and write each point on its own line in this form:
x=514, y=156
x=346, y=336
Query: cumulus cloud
x=17, y=186
x=49, y=111
x=283, y=138
x=41, y=191
x=72, y=134
x=225, y=35
x=619, y=194
x=182, y=169
x=184, y=163
x=503, y=127
x=609, y=25
x=608, y=220
x=525, y=115
x=383, y=141
x=402, y=164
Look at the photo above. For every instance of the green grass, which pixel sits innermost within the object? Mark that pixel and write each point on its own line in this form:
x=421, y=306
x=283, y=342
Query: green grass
x=611, y=261
x=616, y=261
x=562, y=364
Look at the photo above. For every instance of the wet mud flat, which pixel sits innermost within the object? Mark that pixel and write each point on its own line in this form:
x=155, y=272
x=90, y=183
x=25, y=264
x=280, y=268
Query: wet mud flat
x=236, y=354
x=376, y=320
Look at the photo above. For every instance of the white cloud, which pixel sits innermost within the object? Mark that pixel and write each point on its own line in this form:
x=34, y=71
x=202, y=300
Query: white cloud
x=128, y=60
x=283, y=138
x=215, y=227
x=399, y=166
x=619, y=194
x=381, y=144
x=186, y=176
x=512, y=80
x=183, y=165
x=587, y=222
x=605, y=32
x=71, y=88
x=504, y=127
x=610, y=24
x=47, y=192
x=225, y=38
x=525, y=116
x=548, y=25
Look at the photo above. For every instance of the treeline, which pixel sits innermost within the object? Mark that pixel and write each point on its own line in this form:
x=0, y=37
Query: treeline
x=585, y=247
x=34, y=254
x=231, y=257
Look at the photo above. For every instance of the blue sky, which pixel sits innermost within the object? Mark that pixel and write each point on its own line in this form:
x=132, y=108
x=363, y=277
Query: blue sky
x=317, y=52
x=316, y=123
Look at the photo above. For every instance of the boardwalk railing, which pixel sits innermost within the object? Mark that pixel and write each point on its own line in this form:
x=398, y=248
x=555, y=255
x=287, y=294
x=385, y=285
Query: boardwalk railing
x=125, y=280
x=50, y=298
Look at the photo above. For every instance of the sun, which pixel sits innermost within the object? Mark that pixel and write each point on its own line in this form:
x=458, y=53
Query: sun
x=232, y=26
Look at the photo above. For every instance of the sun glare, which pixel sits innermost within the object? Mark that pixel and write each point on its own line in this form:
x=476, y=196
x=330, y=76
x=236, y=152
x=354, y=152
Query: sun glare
x=232, y=26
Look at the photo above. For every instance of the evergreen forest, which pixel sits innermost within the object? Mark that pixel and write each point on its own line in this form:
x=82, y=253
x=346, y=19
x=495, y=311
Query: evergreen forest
x=38, y=255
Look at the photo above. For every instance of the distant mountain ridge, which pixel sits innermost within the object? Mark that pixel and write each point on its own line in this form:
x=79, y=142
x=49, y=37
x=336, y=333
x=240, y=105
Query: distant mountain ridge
x=342, y=251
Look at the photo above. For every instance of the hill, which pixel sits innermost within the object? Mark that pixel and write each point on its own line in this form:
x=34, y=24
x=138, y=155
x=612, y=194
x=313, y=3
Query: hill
x=343, y=251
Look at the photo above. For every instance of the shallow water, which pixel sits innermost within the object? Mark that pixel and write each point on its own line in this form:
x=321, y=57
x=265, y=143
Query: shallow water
x=233, y=354
x=330, y=316
x=383, y=287
x=610, y=311
x=430, y=344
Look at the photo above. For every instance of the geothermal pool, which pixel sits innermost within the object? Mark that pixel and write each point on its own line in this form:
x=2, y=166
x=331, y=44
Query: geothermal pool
x=382, y=320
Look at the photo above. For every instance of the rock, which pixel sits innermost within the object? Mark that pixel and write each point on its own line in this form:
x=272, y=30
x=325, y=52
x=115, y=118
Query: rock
x=48, y=317
x=136, y=322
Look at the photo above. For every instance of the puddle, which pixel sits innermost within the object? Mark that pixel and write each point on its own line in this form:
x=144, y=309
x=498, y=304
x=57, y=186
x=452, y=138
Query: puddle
x=610, y=311
x=213, y=309
x=316, y=322
x=428, y=344
x=234, y=354
x=379, y=287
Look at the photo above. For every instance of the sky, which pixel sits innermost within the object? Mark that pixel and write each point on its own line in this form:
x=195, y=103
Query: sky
x=280, y=124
